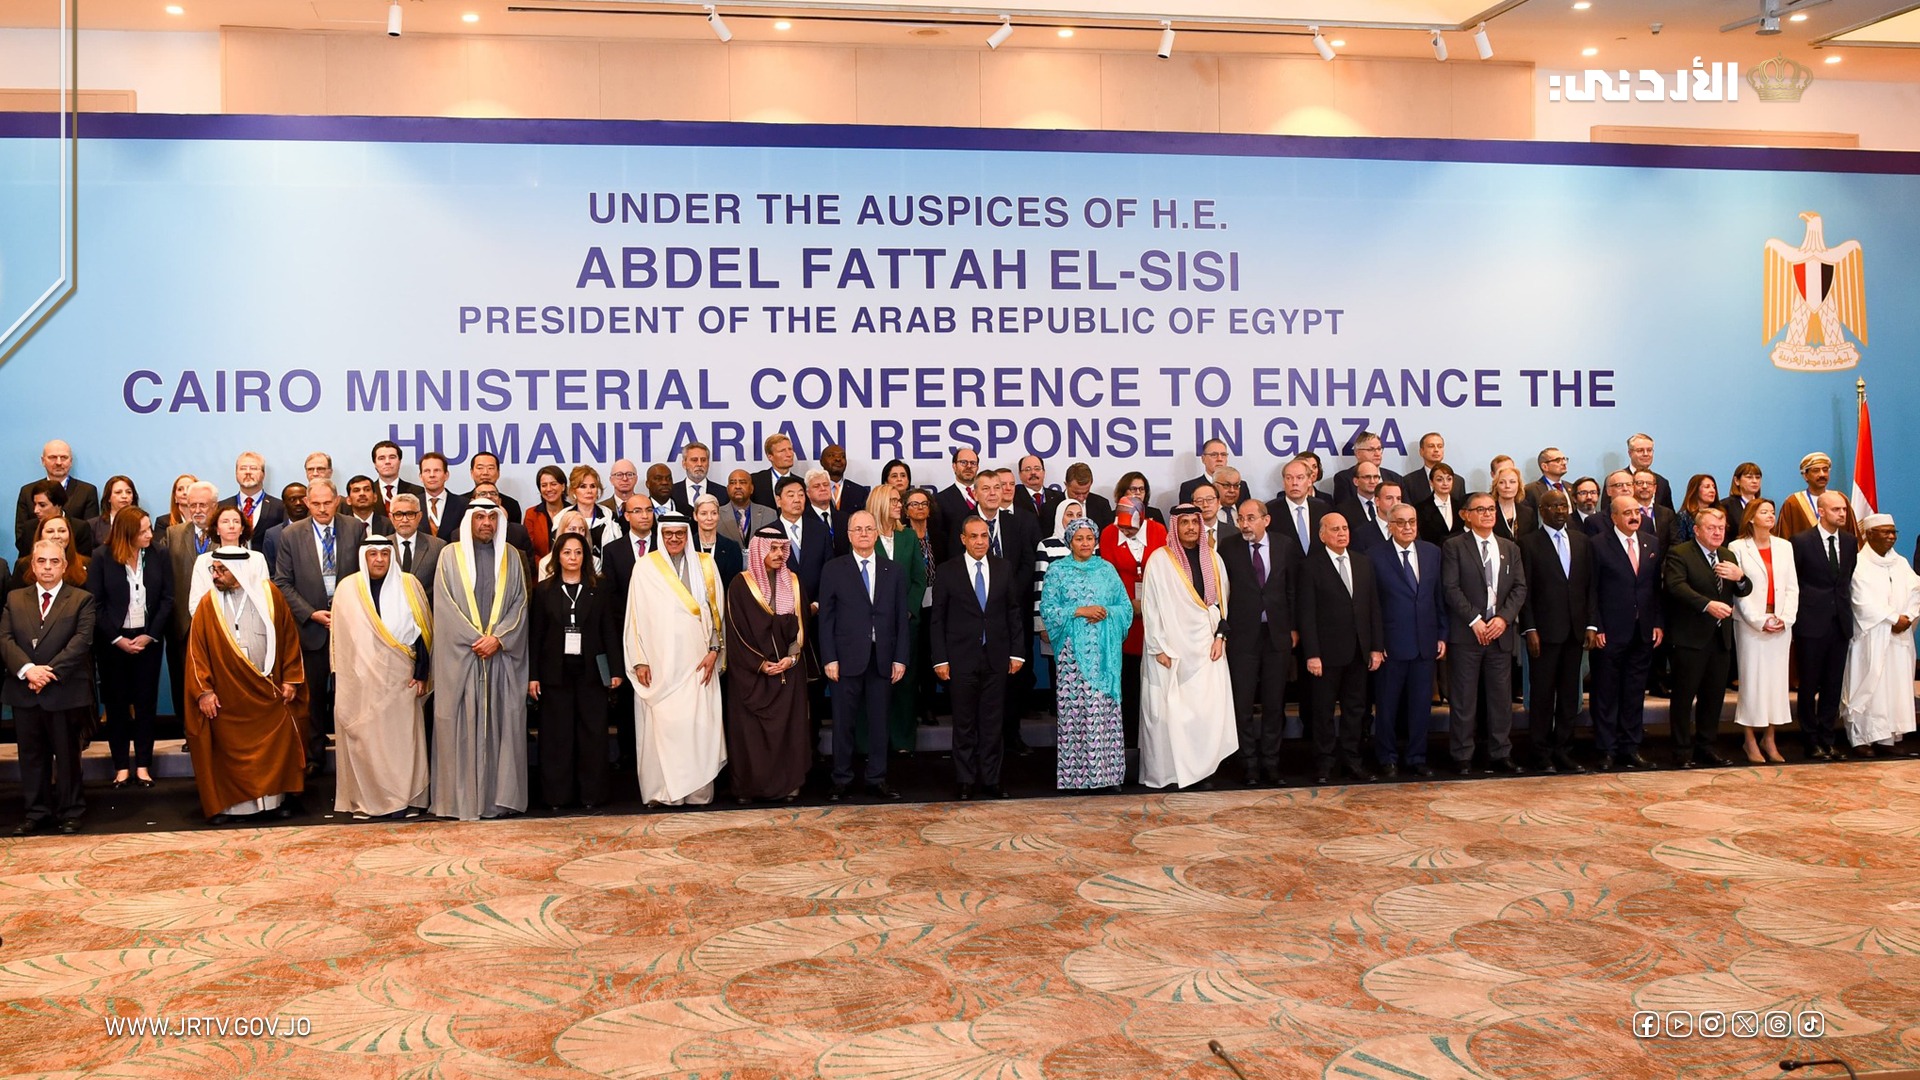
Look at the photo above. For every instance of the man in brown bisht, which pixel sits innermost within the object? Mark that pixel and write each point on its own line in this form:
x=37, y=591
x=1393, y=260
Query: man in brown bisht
x=247, y=686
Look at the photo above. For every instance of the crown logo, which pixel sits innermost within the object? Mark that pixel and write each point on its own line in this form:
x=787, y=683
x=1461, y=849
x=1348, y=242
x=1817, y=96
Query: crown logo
x=1780, y=79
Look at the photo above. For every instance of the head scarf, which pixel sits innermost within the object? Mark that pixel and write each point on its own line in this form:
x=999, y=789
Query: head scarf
x=671, y=521
x=249, y=568
x=484, y=620
x=202, y=578
x=1093, y=649
x=1060, y=517
x=1209, y=572
x=1076, y=525
x=1815, y=458
x=778, y=594
x=395, y=611
x=1874, y=521
x=1135, y=514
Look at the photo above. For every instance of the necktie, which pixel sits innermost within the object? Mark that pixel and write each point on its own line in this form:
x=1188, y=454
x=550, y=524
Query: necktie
x=1407, y=565
x=1560, y=545
x=827, y=520
x=993, y=527
x=199, y=542
x=866, y=581
x=433, y=514
x=46, y=601
x=1369, y=505
x=1633, y=554
x=1300, y=527
x=1833, y=554
x=1259, y=563
x=742, y=516
x=406, y=555
x=968, y=492
x=793, y=538
x=980, y=592
x=1346, y=575
x=248, y=509
x=1719, y=583
x=326, y=551
x=1487, y=571
x=836, y=494
x=639, y=548
x=389, y=492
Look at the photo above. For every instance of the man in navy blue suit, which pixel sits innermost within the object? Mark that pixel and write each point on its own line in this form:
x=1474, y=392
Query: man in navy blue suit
x=1413, y=614
x=1824, y=558
x=812, y=546
x=864, y=645
x=978, y=614
x=1626, y=577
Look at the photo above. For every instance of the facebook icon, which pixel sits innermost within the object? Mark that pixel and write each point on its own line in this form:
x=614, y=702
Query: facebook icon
x=1646, y=1025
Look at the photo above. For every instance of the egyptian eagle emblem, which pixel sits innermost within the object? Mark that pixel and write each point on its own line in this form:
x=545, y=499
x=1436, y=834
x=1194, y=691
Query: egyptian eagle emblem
x=1809, y=282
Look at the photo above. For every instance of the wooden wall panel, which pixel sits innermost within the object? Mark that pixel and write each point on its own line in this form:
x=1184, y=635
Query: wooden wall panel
x=1141, y=92
x=1033, y=89
x=276, y=72
x=532, y=77
x=791, y=84
x=658, y=80
x=937, y=87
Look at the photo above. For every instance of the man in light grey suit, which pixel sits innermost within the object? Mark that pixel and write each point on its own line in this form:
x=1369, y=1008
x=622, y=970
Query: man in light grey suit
x=740, y=505
x=313, y=557
x=414, y=552
x=1485, y=587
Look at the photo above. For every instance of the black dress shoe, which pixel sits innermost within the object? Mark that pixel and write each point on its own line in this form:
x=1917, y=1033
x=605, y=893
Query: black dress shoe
x=1607, y=764
x=221, y=819
x=998, y=792
x=1251, y=778
x=1359, y=774
x=1389, y=771
x=1505, y=765
x=1685, y=761
x=1422, y=770
x=883, y=793
x=1865, y=751
x=1710, y=758
x=28, y=828
x=837, y=793
x=143, y=781
x=120, y=783
x=1635, y=761
x=313, y=767
x=964, y=793
x=1566, y=764
x=1464, y=768
x=1322, y=780
x=70, y=826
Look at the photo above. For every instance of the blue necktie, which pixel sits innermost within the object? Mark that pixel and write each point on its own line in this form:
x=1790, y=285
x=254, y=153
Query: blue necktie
x=980, y=592
x=993, y=526
x=326, y=551
x=1300, y=527
x=866, y=581
x=1407, y=565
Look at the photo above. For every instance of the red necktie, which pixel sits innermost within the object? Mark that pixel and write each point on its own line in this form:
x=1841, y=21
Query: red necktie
x=248, y=509
x=46, y=601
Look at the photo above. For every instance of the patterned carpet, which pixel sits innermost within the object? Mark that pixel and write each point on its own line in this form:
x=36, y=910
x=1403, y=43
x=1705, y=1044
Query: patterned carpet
x=1504, y=928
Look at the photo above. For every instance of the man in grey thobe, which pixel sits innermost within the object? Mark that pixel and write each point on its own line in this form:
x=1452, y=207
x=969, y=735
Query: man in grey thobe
x=480, y=673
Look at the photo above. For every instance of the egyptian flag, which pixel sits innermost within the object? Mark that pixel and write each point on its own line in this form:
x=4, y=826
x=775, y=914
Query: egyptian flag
x=1865, y=499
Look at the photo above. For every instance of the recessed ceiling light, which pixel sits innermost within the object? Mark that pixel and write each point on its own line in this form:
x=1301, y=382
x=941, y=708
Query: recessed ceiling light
x=1338, y=43
x=1582, y=5
x=470, y=17
x=1589, y=51
x=176, y=9
x=783, y=25
x=1798, y=16
x=1833, y=59
x=1065, y=31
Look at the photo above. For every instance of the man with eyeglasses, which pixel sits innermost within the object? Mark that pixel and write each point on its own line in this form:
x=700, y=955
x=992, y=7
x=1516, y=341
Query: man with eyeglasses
x=1367, y=450
x=414, y=550
x=954, y=503
x=1213, y=458
x=1486, y=587
x=622, y=478
x=1553, y=476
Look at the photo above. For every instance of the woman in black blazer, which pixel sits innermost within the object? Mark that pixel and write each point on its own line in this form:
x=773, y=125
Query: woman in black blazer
x=728, y=558
x=1513, y=516
x=132, y=587
x=573, y=604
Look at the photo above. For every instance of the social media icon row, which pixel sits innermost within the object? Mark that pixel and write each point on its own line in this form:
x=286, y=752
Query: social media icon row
x=1740, y=1025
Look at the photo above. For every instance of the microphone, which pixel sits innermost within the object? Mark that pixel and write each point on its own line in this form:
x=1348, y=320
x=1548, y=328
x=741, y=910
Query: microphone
x=1790, y=1065
x=1221, y=1053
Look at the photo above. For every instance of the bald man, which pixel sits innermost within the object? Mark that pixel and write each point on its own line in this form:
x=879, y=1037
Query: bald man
x=82, y=505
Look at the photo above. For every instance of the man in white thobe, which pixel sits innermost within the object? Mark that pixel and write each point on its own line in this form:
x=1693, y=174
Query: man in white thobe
x=1187, y=725
x=673, y=643
x=382, y=673
x=1878, y=699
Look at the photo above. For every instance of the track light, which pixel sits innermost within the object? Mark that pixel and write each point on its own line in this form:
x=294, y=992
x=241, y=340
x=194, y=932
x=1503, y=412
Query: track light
x=393, y=19
x=1439, y=46
x=718, y=25
x=1482, y=43
x=1166, y=40
x=1320, y=44
x=999, y=37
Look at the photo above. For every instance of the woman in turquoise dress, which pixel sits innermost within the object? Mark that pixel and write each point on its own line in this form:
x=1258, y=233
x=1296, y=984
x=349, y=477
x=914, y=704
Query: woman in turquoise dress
x=1086, y=612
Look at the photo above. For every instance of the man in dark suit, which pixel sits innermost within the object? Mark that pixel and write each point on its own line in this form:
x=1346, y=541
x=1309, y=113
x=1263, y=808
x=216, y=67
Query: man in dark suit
x=1702, y=580
x=82, y=503
x=1032, y=495
x=414, y=550
x=820, y=508
x=977, y=622
x=363, y=504
x=312, y=560
x=1414, y=626
x=848, y=495
x=1626, y=581
x=767, y=482
x=1640, y=455
x=1486, y=586
x=1663, y=522
x=740, y=516
x=1080, y=486
x=1367, y=449
x=864, y=646
x=1213, y=458
x=436, y=502
x=1366, y=518
x=1586, y=507
x=811, y=545
x=1014, y=537
x=1553, y=476
x=293, y=503
x=695, y=459
x=1558, y=622
x=1416, y=486
x=386, y=468
x=1824, y=558
x=952, y=504
x=46, y=640
x=1619, y=485
x=484, y=468
x=185, y=542
x=260, y=508
x=1262, y=579
x=1296, y=507
x=1342, y=640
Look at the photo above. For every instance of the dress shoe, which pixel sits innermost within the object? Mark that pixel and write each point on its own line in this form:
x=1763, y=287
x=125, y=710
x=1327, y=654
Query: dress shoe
x=1422, y=770
x=28, y=828
x=1566, y=764
x=1684, y=761
x=1607, y=764
x=143, y=781
x=69, y=826
x=964, y=793
x=1389, y=771
x=222, y=819
x=1865, y=751
x=1635, y=761
x=1322, y=780
x=1251, y=778
x=1359, y=774
x=837, y=793
x=1506, y=765
x=998, y=792
x=1708, y=757
x=1464, y=768
x=883, y=793
x=121, y=782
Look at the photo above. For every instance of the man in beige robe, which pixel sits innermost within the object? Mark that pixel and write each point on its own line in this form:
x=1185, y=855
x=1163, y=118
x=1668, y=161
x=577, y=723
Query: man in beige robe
x=382, y=630
x=673, y=646
x=247, y=685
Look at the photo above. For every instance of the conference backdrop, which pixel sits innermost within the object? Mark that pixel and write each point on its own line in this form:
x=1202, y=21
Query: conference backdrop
x=566, y=292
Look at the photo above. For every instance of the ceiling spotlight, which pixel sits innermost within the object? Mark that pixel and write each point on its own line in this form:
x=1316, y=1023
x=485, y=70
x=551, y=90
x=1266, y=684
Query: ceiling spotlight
x=1798, y=16
x=1482, y=43
x=783, y=25
x=176, y=9
x=1582, y=5
x=1166, y=40
x=1833, y=59
x=1439, y=45
x=1065, y=31
x=718, y=25
x=999, y=37
x=1338, y=43
x=1589, y=51
x=1320, y=44
x=470, y=17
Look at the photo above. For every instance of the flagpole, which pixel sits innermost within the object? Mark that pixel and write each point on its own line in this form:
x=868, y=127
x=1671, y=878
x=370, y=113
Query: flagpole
x=1860, y=388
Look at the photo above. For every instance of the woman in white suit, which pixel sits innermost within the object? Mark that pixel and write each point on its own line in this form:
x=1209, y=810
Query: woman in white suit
x=1763, y=629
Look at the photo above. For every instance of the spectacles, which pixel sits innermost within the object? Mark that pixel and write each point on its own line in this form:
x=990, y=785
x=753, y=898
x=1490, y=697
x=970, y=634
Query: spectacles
x=1479, y=510
x=404, y=514
x=1561, y=460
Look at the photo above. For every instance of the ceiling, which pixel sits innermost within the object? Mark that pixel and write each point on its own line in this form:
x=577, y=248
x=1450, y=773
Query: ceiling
x=1874, y=39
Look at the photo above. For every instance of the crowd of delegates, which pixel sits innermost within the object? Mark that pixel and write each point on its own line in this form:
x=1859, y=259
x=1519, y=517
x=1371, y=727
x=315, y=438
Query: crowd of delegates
x=411, y=629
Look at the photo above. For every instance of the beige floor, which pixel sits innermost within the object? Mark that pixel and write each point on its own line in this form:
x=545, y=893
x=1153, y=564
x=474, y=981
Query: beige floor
x=1498, y=928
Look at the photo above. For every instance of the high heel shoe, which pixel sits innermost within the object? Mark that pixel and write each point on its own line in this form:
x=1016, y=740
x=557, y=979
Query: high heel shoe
x=1773, y=755
x=1755, y=757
